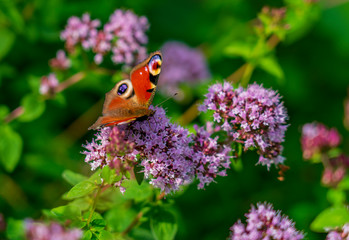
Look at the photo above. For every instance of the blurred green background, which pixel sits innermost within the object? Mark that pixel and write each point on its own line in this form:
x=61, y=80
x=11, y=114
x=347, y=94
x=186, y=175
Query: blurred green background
x=315, y=62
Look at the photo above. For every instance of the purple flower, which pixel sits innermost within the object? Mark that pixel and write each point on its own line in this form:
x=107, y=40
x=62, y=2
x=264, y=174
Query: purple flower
x=80, y=31
x=339, y=234
x=96, y=154
x=317, y=138
x=123, y=36
x=61, y=62
x=210, y=158
x=170, y=155
x=161, y=147
x=264, y=222
x=128, y=31
x=182, y=64
x=52, y=231
x=254, y=117
x=164, y=151
x=48, y=84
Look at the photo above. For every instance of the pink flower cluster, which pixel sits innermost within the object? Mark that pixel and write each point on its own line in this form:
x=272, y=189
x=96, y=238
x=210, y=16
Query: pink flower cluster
x=53, y=231
x=169, y=154
x=317, y=138
x=254, y=117
x=210, y=158
x=48, y=84
x=60, y=62
x=264, y=222
x=123, y=36
x=340, y=234
x=335, y=170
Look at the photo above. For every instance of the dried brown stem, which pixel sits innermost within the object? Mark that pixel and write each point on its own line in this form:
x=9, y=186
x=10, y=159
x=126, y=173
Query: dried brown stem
x=161, y=196
x=273, y=41
x=14, y=114
x=70, y=81
x=237, y=75
x=132, y=224
x=189, y=115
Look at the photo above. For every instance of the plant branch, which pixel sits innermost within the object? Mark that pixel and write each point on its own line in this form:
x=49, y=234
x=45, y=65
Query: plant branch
x=189, y=115
x=94, y=204
x=70, y=81
x=14, y=114
x=132, y=224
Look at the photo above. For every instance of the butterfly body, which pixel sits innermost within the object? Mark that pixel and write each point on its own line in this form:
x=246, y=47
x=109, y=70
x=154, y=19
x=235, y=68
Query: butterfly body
x=130, y=99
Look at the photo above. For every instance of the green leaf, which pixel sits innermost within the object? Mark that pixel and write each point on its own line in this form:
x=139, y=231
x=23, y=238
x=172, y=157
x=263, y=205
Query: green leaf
x=81, y=189
x=98, y=224
x=15, y=229
x=138, y=173
x=10, y=147
x=120, y=217
x=136, y=192
x=67, y=212
x=72, y=177
x=336, y=196
x=163, y=224
x=82, y=203
x=106, y=174
x=344, y=184
x=4, y=111
x=239, y=49
x=96, y=177
x=334, y=152
x=271, y=66
x=33, y=107
x=87, y=235
x=330, y=218
x=105, y=235
x=236, y=163
x=7, y=40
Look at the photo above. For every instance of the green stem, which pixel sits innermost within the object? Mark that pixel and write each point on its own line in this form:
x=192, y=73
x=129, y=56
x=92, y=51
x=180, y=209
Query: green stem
x=94, y=204
x=247, y=74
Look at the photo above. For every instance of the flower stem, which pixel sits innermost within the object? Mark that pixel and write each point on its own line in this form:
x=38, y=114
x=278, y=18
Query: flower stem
x=189, y=115
x=70, y=81
x=247, y=74
x=94, y=204
x=132, y=224
x=67, y=83
x=14, y=114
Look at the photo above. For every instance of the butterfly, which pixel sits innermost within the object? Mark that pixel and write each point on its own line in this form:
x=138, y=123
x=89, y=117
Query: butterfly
x=129, y=100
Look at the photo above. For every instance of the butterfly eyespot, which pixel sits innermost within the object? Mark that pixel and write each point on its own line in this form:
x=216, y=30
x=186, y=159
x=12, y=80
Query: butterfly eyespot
x=124, y=89
x=154, y=65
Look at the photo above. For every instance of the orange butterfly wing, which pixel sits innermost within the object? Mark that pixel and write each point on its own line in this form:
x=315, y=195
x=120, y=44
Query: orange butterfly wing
x=130, y=99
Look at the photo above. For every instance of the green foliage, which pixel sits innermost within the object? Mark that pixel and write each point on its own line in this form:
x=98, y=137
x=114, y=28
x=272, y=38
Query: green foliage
x=330, y=218
x=15, y=229
x=7, y=40
x=81, y=189
x=72, y=177
x=163, y=224
x=137, y=192
x=308, y=67
x=33, y=106
x=67, y=212
x=10, y=147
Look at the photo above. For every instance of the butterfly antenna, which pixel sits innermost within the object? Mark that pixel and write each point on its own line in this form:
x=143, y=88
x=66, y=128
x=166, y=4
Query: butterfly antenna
x=166, y=99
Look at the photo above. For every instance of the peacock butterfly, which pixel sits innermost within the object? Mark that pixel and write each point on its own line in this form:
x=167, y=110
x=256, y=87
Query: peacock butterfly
x=130, y=99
